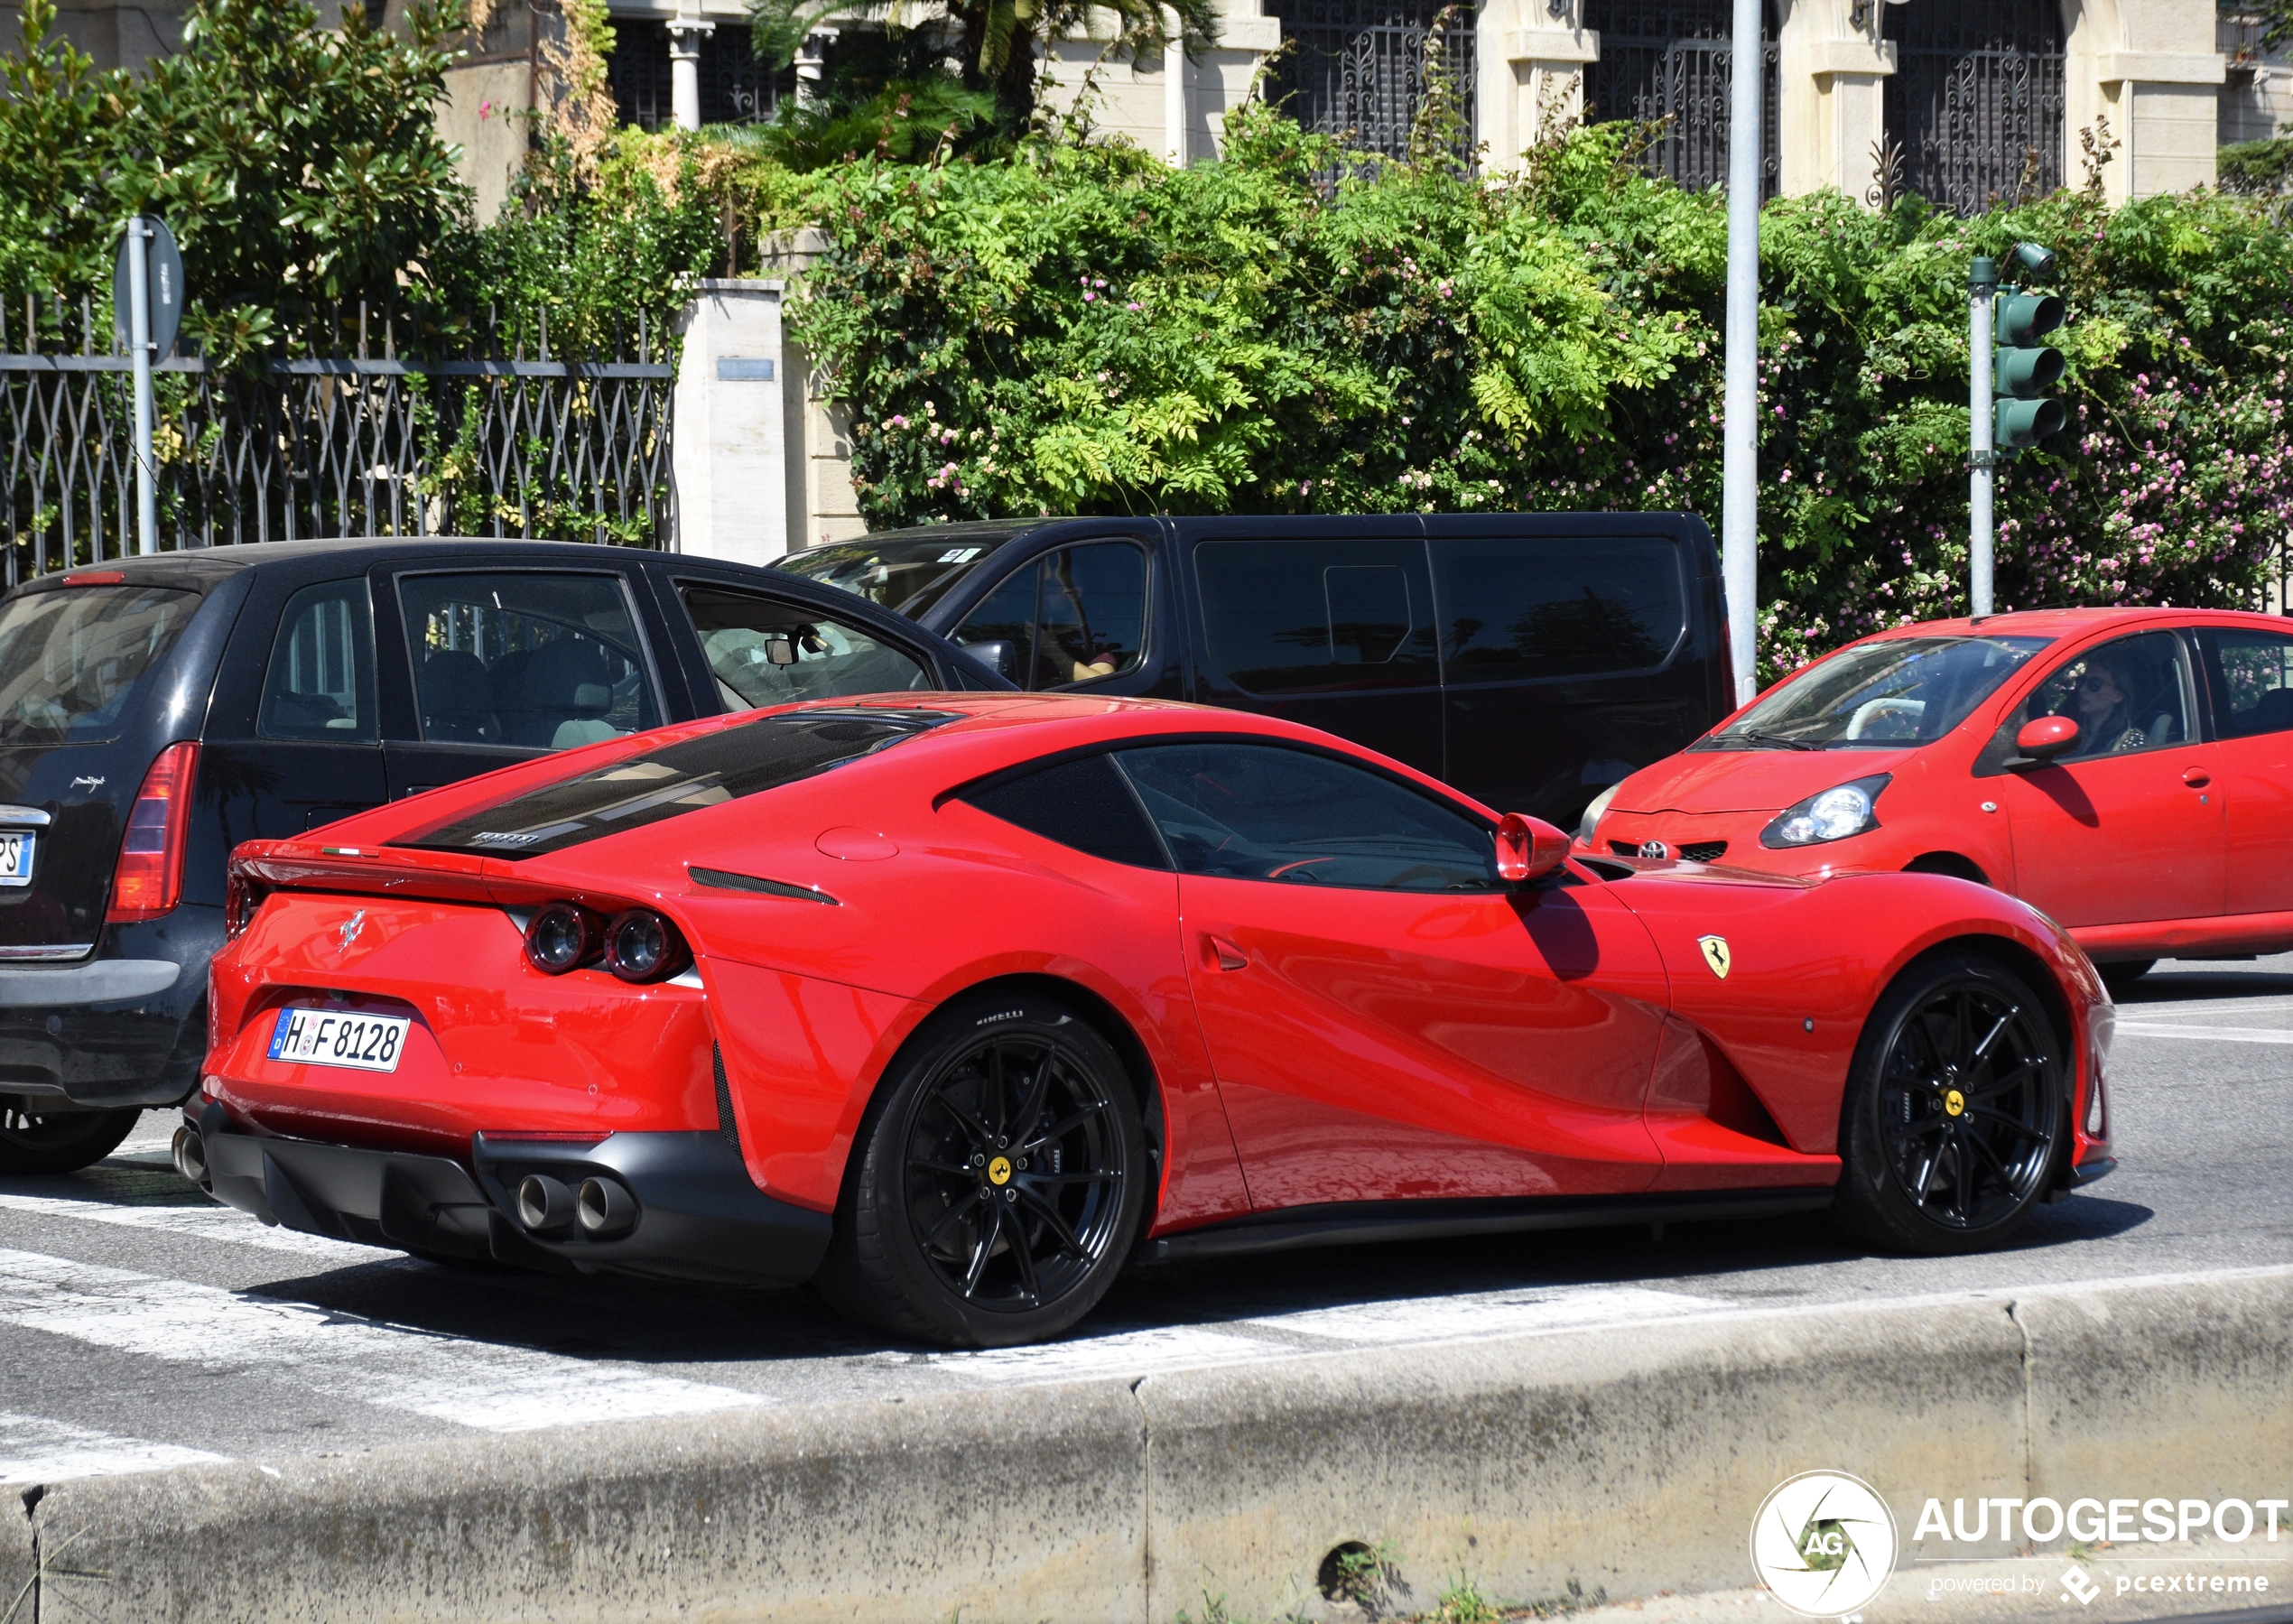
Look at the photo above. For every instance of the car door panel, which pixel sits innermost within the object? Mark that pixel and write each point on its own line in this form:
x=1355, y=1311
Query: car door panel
x=2250, y=670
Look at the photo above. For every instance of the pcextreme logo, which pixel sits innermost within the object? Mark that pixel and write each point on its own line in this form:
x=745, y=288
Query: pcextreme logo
x=1824, y=1543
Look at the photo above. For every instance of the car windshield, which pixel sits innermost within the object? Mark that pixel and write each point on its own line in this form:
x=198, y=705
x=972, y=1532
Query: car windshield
x=70, y=658
x=908, y=574
x=1885, y=695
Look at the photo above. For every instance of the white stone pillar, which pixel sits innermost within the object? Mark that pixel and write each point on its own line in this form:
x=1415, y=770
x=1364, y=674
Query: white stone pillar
x=729, y=451
x=1534, y=55
x=684, y=70
x=1173, y=91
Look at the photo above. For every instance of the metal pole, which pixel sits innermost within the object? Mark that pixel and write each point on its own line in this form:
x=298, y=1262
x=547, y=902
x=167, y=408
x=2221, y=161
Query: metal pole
x=1740, y=429
x=1982, y=288
x=139, y=346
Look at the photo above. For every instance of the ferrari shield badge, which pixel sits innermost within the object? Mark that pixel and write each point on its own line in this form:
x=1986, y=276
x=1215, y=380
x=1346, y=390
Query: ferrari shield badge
x=1715, y=954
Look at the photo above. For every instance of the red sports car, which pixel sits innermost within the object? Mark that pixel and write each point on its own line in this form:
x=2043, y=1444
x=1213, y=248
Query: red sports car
x=954, y=1003
x=2130, y=772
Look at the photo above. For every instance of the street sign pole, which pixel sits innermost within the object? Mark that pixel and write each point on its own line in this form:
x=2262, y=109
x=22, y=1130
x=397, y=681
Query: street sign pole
x=139, y=348
x=1740, y=426
x=1982, y=292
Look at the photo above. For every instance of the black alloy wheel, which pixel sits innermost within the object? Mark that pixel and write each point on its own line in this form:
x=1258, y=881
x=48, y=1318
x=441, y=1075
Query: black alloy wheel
x=36, y=1137
x=998, y=1180
x=1954, y=1111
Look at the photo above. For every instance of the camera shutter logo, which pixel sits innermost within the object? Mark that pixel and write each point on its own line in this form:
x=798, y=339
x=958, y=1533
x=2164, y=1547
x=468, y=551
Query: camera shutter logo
x=1824, y=1543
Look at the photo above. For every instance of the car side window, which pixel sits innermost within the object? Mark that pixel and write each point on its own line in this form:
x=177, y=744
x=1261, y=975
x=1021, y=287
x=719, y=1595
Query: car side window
x=2130, y=694
x=764, y=651
x=537, y=659
x=1319, y=616
x=320, y=685
x=1519, y=608
x=2252, y=676
x=1083, y=801
x=1072, y=617
x=1294, y=817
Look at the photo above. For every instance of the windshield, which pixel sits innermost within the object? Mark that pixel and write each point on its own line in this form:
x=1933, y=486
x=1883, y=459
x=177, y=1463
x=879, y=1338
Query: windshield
x=70, y=658
x=725, y=764
x=905, y=574
x=1883, y=696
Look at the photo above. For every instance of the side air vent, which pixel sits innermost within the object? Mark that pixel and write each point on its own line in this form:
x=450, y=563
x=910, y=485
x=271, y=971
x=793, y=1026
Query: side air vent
x=725, y=1124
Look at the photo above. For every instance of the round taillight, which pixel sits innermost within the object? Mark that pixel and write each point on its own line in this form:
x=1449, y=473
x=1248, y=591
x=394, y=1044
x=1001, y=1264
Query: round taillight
x=642, y=946
x=562, y=937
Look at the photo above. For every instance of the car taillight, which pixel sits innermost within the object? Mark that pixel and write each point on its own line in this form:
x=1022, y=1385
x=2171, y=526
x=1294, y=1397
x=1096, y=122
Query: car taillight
x=563, y=936
x=148, y=880
x=640, y=945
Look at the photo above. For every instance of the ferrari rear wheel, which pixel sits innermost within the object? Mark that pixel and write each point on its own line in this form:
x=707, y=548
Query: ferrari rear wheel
x=1954, y=1112
x=37, y=1139
x=997, y=1179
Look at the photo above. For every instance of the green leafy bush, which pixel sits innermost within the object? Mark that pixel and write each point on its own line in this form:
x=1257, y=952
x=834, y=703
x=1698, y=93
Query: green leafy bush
x=1084, y=329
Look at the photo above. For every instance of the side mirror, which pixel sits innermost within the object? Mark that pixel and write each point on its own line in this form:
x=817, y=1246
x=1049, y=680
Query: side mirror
x=2045, y=737
x=1527, y=847
x=997, y=654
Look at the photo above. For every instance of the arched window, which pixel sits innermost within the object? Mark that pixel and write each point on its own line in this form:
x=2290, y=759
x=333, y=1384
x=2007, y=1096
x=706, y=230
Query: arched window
x=1669, y=60
x=1975, y=100
x=1355, y=68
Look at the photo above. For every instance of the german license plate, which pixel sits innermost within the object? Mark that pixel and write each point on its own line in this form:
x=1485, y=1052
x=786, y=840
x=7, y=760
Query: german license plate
x=335, y=1037
x=15, y=857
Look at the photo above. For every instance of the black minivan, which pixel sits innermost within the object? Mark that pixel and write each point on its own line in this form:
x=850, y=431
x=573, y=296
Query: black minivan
x=156, y=711
x=1531, y=660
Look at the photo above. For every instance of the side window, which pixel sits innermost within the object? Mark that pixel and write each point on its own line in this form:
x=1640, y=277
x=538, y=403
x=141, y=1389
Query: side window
x=1318, y=616
x=1072, y=616
x=2252, y=677
x=767, y=652
x=320, y=685
x=2132, y=693
x=540, y=660
x=1083, y=802
x=1259, y=812
x=1516, y=608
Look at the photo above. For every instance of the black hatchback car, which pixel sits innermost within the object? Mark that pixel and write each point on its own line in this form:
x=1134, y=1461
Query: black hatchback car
x=1532, y=660
x=155, y=712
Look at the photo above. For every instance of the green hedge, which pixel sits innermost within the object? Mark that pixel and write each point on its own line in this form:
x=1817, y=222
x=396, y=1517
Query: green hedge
x=1084, y=329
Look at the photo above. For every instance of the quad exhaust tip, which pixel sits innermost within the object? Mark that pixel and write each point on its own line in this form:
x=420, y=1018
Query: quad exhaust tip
x=189, y=1153
x=544, y=1203
x=606, y=1208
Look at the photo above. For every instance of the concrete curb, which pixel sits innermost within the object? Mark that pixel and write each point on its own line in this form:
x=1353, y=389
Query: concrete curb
x=1624, y=1460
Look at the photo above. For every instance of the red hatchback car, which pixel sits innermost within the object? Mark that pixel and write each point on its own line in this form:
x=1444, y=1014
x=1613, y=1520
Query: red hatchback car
x=2127, y=772
x=953, y=1002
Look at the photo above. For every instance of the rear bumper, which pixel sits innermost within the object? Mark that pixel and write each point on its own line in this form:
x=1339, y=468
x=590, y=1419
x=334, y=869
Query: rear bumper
x=700, y=1215
x=125, y=1026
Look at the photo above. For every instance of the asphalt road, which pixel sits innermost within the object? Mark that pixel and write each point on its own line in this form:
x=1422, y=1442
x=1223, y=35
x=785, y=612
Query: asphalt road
x=142, y=1326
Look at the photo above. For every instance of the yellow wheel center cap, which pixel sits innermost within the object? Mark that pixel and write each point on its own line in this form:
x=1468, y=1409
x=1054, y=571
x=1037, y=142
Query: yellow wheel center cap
x=1954, y=1103
x=999, y=1170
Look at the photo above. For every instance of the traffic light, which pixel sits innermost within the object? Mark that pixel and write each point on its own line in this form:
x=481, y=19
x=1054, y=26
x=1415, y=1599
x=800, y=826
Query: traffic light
x=2023, y=369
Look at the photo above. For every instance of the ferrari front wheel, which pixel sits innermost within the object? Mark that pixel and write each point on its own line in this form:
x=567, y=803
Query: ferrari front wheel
x=1953, y=1110
x=997, y=1180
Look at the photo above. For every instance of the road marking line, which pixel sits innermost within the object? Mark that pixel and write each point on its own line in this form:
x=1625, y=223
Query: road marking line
x=1120, y=1353
x=2204, y=1005
x=2224, y=1035
x=35, y=1450
x=490, y=1386
x=1484, y=1314
x=226, y=1224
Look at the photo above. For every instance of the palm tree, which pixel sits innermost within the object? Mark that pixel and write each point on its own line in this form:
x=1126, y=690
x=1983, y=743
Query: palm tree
x=994, y=43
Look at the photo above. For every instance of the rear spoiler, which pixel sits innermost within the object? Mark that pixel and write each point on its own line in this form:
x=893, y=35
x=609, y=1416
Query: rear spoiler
x=259, y=867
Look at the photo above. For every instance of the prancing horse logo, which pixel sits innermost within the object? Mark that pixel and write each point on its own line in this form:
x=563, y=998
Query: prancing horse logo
x=1715, y=954
x=358, y=921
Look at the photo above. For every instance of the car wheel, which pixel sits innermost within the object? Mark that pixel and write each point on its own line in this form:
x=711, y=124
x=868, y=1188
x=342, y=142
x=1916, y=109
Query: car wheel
x=1954, y=1109
x=36, y=1139
x=2121, y=975
x=997, y=1180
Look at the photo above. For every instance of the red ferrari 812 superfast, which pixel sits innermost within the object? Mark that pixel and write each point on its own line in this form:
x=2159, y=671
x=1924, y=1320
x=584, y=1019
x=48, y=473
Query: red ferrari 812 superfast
x=954, y=1005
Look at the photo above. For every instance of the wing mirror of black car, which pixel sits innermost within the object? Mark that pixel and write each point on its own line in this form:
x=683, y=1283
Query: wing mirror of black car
x=2043, y=739
x=998, y=654
x=1527, y=847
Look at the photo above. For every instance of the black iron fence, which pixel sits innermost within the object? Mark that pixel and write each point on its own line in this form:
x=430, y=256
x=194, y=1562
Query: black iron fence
x=1977, y=98
x=366, y=443
x=1670, y=63
x=1356, y=69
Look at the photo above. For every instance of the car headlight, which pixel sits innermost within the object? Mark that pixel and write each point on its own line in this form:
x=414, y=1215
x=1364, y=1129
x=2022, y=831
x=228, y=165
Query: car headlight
x=1591, y=818
x=1851, y=809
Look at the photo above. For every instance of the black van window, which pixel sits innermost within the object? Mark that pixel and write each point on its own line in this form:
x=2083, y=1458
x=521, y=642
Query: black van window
x=1318, y=616
x=1517, y=608
x=70, y=658
x=1071, y=616
x=320, y=684
x=527, y=657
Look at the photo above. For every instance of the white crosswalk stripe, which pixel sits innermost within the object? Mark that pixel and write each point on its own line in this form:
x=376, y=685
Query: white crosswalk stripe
x=35, y=1450
x=1478, y=1314
x=468, y=1383
x=198, y=1223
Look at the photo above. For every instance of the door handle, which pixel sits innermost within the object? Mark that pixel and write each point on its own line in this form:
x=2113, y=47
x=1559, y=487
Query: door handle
x=1218, y=953
x=2197, y=778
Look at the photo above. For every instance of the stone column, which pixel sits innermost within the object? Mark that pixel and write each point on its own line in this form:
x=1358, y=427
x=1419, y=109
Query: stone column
x=685, y=69
x=2151, y=67
x=1830, y=95
x=1534, y=54
x=731, y=451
